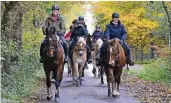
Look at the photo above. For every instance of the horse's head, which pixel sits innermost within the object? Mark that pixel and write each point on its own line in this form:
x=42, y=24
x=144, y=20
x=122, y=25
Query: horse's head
x=98, y=43
x=51, y=42
x=113, y=51
x=80, y=46
x=90, y=41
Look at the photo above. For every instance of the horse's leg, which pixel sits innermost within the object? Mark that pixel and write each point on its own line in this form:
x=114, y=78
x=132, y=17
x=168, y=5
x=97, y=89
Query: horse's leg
x=69, y=68
x=59, y=76
x=48, y=84
x=76, y=76
x=108, y=81
x=101, y=73
x=118, y=82
x=73, y=72
x=112, y=80
x=94, y=64
x=127, y=67
x=81, y=70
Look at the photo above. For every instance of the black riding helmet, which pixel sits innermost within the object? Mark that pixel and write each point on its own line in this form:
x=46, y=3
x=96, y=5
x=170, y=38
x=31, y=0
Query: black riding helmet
x=75, y=21
x=81, y=18
x=115, y=15
x=98, y=27
x=55, y=7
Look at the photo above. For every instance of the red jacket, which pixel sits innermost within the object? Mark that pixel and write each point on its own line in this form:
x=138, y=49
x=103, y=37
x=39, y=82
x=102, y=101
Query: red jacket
x=67, y=35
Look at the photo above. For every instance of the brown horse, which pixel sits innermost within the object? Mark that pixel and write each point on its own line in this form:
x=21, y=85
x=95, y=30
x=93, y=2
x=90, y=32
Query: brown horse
x=79, y=60
x=115, y=60
x=53, y=60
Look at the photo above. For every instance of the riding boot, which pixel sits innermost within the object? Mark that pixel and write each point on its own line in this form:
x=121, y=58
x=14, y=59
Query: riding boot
x=65, y=51
x=130, y=61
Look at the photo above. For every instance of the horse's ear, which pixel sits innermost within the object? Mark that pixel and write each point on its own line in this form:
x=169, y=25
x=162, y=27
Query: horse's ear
x=112, y=42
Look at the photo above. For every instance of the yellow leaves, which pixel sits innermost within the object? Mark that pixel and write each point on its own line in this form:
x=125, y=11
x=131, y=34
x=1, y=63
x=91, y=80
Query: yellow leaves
x=138, y=12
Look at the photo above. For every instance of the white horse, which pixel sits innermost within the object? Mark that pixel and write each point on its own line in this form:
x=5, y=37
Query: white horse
x=96, y=46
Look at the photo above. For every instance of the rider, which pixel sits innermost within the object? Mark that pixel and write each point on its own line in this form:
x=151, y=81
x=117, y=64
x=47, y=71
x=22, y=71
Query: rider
x=54, y=20
x=78, y=30
x=68, y=34
x=98, y=33
x=81, y=21
x=116, y=30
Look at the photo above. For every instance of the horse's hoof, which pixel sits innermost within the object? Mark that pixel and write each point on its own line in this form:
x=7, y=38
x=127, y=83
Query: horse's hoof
x=102, y=82
x=82, y=79
x=52, y=80
x=115, y=96
x=109, y=94
x=49, y=98
x=78, y=85
x=57, y=100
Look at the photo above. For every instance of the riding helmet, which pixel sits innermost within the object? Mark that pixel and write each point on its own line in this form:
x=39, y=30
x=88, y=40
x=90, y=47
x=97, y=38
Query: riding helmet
x=55, y=7
x=75, y=21
x=98, y=27
x=115, y=15
x=81, y=18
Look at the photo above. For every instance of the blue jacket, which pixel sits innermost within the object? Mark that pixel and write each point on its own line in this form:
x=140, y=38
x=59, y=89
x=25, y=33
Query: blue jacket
x=97, y=34
x=117, y=31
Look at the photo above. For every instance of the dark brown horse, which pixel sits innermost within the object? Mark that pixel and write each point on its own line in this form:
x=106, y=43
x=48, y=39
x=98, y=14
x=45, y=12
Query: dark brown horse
x=114, y=62
x=53, y=60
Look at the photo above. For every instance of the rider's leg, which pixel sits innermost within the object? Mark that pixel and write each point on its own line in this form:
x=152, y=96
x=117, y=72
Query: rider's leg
x=64, y=44
x=128, y=54
x=70, y=50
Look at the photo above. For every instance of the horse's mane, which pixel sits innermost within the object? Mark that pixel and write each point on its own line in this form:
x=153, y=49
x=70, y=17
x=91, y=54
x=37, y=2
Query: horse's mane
x=99, y=41
x=82, y=40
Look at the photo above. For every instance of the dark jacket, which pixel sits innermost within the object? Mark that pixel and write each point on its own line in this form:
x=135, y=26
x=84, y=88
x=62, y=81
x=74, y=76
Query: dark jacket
x=58, y=24
x=78, y=31
x=85, y=27
x=97, y=35
x=115, y=31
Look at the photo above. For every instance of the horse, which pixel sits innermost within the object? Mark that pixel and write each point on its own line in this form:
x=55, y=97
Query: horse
x=79, y=60
x=97, y=44
x=53, y=60
x=114, y=61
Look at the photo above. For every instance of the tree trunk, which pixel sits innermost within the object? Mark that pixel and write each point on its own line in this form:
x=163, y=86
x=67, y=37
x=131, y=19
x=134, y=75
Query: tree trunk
x=168, y=15
x=6, y=26
x=17, y=30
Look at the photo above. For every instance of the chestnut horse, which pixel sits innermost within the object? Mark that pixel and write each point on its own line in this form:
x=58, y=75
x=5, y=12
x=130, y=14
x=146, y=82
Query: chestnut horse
x=53, y=60
x=79, y=60
x=115, y=60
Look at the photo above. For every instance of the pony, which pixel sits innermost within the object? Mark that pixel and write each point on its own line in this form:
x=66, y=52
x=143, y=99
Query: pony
x=53, y=60
x=79, y=60
x=114, y=61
